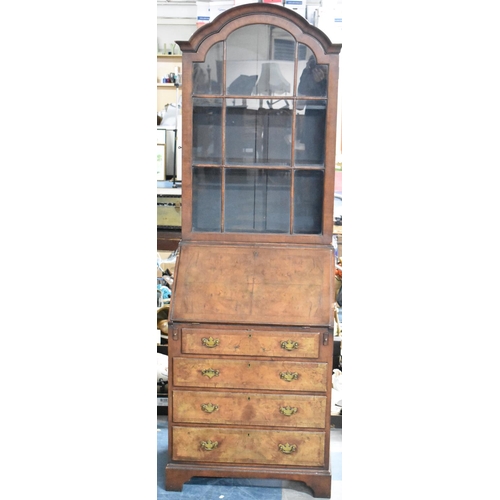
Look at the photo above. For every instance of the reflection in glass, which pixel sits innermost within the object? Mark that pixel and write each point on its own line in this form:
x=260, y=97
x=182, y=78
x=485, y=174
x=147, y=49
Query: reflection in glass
x=311, y=113
x=257, y=136
x=207, y=128
x=243, y=85
x=207, y=75
x=206, y=199
x=308, y=202
x=271, y=80
x=258, y=106
x=313, y=80
x=257, y=200
x=260, y=61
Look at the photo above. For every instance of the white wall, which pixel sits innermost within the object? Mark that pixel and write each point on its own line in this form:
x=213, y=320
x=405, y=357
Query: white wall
x=178, y=21
x=174, y=22
x=167, y=9
x=329, y=15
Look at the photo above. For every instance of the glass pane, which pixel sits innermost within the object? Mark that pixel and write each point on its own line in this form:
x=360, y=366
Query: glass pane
x=206, y=199
x=311, y=113
x=276, y=134
x=257, y=136
x=313, y=79
x=207, y=76
x=207, y=128
x=260, y=61
x=308, y=202
x=257, y=200
x=310, y=133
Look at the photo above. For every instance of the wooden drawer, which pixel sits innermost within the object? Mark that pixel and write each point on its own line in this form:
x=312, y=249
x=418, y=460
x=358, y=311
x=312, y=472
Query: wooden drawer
x=247, y=446
x=239, y=374
x=251, y=343
x=281, y=410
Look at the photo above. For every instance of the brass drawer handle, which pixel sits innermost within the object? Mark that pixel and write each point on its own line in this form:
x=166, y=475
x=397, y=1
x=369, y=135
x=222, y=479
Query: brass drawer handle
x=209, y=445
x=287, y=448
x=289, y=345
x=209, y=407
x=210, y=372
x=288, y=376
x=210, y=342
x=288, y=411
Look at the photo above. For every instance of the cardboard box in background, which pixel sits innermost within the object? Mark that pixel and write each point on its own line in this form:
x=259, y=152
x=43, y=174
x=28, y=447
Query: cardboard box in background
x=331, y=11
x=243, y=2
x=208, y=10
x=299, y=6
x=202, y=13
x=219, y=6
x=313, y=10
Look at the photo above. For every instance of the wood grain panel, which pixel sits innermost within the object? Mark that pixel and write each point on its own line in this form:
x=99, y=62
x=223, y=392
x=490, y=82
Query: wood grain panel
x=254, y=284
x=250, y=343
x=248, y=446
x=311, y=377
x=249, y=409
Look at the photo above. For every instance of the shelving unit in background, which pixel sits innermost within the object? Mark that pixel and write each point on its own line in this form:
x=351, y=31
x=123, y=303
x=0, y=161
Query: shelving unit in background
x=166, y=92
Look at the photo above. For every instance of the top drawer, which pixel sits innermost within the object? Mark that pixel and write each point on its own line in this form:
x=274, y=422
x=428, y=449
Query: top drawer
x=250, y=343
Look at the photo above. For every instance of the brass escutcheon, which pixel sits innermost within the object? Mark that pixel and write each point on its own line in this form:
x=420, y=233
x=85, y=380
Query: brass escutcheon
x=210, y=342
x=210, y=372
x=287, y=448
x=288, y=411
x=288, y=376
x=289, y=345
x=209, y=445
x=209, y=407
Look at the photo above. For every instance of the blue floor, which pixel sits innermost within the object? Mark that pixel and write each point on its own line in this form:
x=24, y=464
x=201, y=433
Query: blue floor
x=243, y=489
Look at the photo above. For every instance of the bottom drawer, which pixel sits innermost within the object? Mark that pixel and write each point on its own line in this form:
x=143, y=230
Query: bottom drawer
x=246, y=446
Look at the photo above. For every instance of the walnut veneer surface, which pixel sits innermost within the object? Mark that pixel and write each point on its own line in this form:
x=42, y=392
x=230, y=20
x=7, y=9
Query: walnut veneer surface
x=254, y=284
x=252, y=309
x=250, y=381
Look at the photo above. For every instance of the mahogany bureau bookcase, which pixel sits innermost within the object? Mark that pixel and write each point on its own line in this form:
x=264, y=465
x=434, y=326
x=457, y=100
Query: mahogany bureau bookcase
x=251, y=314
